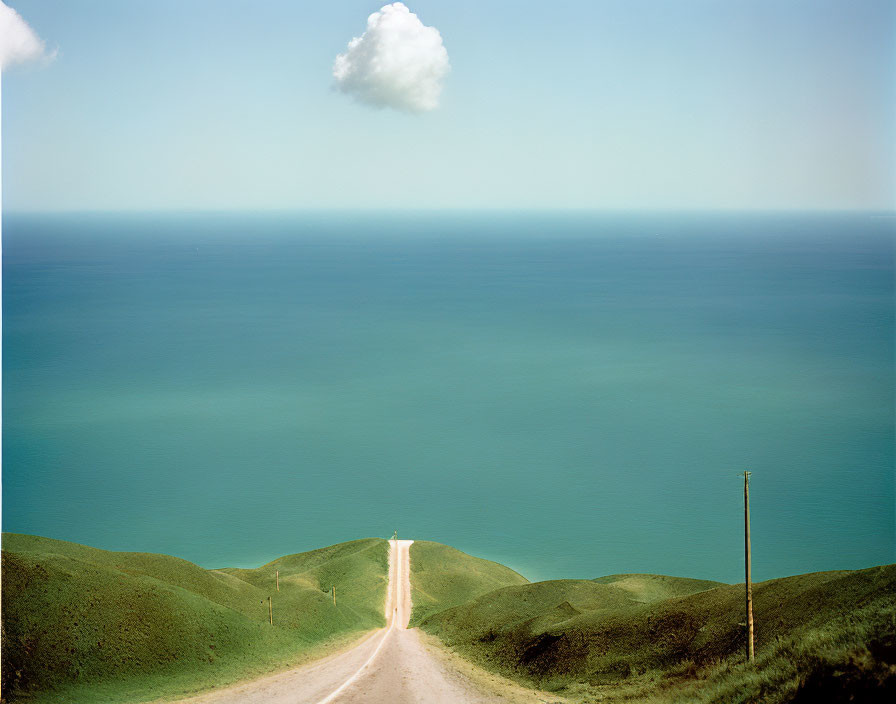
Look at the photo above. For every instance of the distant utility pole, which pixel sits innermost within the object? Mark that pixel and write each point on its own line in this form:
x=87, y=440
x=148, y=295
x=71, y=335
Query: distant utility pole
x=334, y=595
x=271, y=610
x=748, y=565
x=278, y=580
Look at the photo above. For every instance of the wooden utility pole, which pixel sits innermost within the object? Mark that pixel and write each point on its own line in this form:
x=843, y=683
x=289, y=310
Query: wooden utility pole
x=278, y=580
x=271, y=610
x=334, y=595
x=748, y=566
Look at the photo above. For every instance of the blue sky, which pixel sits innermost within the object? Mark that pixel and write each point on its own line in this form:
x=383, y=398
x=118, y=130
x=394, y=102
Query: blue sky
x=571, y=104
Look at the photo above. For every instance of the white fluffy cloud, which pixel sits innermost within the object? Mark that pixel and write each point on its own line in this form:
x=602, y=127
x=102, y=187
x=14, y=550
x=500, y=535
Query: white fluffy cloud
x=18, y=42
x=398, y=62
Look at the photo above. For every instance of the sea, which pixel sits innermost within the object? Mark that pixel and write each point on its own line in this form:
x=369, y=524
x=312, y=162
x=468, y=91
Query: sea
x=573, y=394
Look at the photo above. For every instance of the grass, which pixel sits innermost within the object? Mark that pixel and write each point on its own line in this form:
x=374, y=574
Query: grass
x=83, y=625
x=646, y=638
x=442, y=577
x=86, y=625
x=647, y=588
x=849, y=658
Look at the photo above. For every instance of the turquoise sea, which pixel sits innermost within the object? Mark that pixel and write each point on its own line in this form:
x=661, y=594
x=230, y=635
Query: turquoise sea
x=571, y=394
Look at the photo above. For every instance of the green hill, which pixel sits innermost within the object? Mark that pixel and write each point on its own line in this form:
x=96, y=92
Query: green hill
x=536, y=607
x=442, y=577
x=658, y=639
x=82, y=625
x=647, y=588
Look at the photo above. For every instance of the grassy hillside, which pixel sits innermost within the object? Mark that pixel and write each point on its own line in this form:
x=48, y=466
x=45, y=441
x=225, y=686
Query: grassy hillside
x=442, y=577
x=82, y=625
x=536, y=607
x=647, y=588
x=622, y=638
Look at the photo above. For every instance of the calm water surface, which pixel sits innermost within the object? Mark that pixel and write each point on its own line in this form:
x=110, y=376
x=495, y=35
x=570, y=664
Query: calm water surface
x=570, y=394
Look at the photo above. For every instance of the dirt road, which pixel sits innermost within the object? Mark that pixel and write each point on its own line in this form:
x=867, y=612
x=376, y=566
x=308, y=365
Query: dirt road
x=393, y=665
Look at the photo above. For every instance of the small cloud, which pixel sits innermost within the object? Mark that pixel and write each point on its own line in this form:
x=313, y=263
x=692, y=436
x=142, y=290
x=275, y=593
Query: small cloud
x=18, y=42
x=397, y=63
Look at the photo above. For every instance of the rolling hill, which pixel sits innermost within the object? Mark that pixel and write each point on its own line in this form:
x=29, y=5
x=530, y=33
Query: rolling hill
x=82, y=624
x=442, y=577
x=656, y=638
x=647, y=588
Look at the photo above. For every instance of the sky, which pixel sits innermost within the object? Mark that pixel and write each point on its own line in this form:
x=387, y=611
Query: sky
x=573, y=104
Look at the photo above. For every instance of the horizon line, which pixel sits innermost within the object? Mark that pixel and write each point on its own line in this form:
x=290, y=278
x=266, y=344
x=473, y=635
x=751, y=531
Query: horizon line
x=878, y=212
